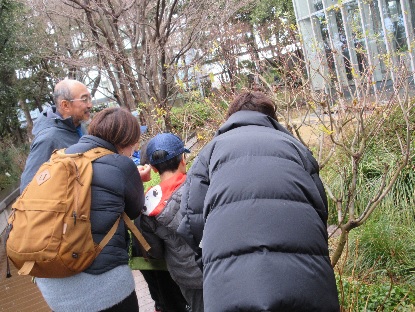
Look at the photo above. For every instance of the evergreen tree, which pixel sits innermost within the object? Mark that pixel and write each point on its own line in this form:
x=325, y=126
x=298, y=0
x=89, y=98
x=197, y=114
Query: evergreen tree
x=9, y=61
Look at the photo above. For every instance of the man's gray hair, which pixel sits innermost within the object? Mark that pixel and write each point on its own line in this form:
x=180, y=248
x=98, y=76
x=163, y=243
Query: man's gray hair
x=61, y=92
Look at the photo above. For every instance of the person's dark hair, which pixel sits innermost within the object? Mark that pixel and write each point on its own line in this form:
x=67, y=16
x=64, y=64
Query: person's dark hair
x=115, y=125
x=169, y=165
x=253, y=101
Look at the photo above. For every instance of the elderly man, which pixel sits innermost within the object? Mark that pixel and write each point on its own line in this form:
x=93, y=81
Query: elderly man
x=58, y=127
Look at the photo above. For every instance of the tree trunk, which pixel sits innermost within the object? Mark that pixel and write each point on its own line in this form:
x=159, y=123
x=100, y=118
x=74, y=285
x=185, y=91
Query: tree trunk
x=164, y=90
x=29, y=121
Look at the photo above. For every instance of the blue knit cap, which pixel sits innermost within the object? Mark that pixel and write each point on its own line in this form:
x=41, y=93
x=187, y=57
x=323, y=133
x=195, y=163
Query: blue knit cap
x=167, y=142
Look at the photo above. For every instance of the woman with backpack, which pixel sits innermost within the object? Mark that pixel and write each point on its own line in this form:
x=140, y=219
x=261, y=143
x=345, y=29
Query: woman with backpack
x=107, y=284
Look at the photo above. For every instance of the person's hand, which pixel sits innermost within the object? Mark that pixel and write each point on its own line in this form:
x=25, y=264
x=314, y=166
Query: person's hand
x=145, y=172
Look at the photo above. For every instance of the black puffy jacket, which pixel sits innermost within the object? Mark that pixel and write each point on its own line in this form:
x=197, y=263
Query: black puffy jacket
x=255, y=195
x=116, y=187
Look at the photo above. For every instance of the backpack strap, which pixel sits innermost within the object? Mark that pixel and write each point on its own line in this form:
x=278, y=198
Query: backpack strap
x=97, y=152
x=26, y=268
x=131, y=226
x=107, y=237
x=92, y=154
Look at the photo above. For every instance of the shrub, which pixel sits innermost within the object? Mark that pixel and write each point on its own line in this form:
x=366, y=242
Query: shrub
x=155, y=179
x=380, y=151
x=383, y=246
x=199, y=114
x=361, y=296
x=12, y=161
x=191, y=114
x=401, y=199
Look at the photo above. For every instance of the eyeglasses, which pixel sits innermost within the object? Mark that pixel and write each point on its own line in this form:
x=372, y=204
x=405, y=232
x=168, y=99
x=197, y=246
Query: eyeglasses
x=85, y=100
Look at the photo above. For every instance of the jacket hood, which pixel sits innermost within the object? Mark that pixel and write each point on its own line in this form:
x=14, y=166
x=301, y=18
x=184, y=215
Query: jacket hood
x=50, y=118
x=88, y=142
x=250, y=118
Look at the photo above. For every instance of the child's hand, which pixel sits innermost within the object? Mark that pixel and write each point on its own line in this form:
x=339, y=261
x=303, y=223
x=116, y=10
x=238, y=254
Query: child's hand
x=145, y=172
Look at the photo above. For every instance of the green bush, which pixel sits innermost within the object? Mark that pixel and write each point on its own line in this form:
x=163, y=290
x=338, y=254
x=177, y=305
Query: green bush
x=12, y=160
x=383, y=246
x=401, y=198
x=394, y=124
x=361, y=296
x=155, y=179
x=378, y=271
x=191, y=115
x=338, y=174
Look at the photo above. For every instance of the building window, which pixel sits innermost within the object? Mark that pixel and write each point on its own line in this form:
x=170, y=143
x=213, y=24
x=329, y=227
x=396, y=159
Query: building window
x=375, y=29
x=357, y=44
x=376, y=39
x=301, y=9
x=395, y=25
x=412, y=8
x=322, y=24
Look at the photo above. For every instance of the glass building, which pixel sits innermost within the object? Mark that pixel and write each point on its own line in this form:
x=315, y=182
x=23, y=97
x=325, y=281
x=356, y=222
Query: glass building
x=344, y=40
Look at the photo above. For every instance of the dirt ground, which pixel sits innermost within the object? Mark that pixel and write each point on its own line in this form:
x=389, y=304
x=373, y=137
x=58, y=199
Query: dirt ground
x=309, y=135
x=309, y=129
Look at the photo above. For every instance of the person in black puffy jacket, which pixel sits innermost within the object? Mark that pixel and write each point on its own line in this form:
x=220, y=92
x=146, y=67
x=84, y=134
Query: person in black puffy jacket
x=255, y=211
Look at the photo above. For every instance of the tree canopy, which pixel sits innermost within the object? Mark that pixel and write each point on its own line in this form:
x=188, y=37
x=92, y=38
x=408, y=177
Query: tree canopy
x=11, y=53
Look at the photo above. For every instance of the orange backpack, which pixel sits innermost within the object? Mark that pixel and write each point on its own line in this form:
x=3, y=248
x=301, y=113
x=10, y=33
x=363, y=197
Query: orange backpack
x=49, y=228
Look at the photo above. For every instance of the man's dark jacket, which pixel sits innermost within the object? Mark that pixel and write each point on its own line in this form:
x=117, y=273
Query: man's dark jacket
x=255, y=196
x=116, y=187
x=50, y=132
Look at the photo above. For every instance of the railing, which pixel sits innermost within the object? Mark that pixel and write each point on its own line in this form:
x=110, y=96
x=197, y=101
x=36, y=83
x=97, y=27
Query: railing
x=5, y=209
x=9, y=198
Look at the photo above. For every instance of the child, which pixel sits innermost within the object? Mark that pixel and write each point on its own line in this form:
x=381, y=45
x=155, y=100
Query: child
x=160, y=216
x=164, y=291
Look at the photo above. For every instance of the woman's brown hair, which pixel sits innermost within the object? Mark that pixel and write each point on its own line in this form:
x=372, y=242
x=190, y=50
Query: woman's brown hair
x=115, y=125
x=253, y=101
